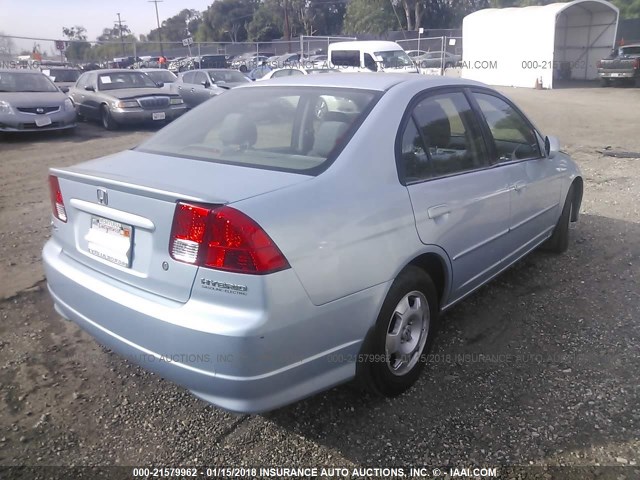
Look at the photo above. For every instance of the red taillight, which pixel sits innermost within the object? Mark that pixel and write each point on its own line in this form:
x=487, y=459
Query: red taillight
x=636, y=64
x=599, y=64
x=57, y=203
x=223, y=238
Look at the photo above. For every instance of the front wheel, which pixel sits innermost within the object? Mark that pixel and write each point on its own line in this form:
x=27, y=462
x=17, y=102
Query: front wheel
x=107, y=120
x=393, y=357
x=559, y=240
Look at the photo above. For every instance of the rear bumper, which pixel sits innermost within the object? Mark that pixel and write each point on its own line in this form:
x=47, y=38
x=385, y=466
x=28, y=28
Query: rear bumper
x=241, y=360
x=139, y=115
x=620, y=74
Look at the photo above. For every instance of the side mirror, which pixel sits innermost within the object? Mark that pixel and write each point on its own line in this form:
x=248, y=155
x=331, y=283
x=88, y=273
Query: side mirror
x=64, y=89
x=206, y=84
x=160, y=84
x=551, y=146
x=90, y=88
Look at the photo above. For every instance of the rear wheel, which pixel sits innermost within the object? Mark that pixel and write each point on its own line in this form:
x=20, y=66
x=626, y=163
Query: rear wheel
x=393, y=357
x=107, y=120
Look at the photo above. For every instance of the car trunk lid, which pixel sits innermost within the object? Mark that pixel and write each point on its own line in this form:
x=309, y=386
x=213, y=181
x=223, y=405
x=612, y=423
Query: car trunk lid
x=120, y=212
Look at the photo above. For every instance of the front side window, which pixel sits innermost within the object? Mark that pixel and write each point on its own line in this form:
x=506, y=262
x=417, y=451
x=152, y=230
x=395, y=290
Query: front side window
x=285, y=128
x=394, y=59
x=450, y=140
x=513, y=137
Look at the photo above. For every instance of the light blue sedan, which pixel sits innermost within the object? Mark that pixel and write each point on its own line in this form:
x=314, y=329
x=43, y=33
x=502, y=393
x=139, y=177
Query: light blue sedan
x=259, y=255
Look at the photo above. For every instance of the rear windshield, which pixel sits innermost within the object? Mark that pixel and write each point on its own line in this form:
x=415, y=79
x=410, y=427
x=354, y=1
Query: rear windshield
x=64, y=75
x=295, y=129
x=635, y=50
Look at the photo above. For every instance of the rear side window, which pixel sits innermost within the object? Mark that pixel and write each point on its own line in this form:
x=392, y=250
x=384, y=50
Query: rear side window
x=448, y=140
x=345, y=58
x=513, y=136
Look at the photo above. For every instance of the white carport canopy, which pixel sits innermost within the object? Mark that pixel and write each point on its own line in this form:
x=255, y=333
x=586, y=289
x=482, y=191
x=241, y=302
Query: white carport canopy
x=520, y=46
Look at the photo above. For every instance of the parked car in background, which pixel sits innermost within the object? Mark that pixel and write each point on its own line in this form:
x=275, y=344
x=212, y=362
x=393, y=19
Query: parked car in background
x=64, y=78
x=163, y=78
x=370, y=56
x=249, y=61
x=205, y=256
x=197, y=86
x=437, y=59
x=175, y=63
x=117, y=97
x=622, y=66
x=416, y=53
x=30, y=101
x=292, y=71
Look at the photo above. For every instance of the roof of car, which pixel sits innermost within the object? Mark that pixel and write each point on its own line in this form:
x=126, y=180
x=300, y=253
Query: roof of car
x=366, y=81
x=116, y=70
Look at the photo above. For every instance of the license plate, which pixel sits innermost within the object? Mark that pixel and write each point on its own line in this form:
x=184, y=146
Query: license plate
x=43, y=121
x=110, y=240
x=615, y=74
x=158, y=115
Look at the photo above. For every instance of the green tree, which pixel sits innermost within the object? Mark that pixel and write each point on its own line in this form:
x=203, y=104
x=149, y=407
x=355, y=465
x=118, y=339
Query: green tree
x=267, y=22
x=7, y=45
x=369, y=16
x=227, y=20
x=78, y=49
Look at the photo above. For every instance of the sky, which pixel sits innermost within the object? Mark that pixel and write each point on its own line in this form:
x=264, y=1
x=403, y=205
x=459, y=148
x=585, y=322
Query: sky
x=45, y=18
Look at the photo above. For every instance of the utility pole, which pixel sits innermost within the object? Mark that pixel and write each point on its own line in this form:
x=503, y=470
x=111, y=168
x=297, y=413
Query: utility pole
x=158, y=21
x=287, y=28
x=120, y=30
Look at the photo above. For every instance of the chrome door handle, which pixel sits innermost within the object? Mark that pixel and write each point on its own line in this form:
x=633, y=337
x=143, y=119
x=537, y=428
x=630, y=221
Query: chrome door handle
x=519, y=186
x=438, y=211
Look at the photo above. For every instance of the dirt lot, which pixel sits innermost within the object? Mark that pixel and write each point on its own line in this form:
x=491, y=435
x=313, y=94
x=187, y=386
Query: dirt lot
x=541, y=367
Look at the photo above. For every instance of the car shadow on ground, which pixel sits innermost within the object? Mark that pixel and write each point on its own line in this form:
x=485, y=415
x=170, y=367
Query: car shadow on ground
x=540, y=365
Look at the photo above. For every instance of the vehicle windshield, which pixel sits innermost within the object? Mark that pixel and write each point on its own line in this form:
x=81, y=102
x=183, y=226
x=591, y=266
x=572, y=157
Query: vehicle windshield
x=26, y=82
x=635, y=50
x=64, y=74
x=227, y=76
x=394, y=59
x=295, y=129
x=120, y=80
x=164, y=76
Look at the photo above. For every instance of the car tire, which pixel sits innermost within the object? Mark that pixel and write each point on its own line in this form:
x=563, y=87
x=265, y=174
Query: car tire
x=243, y=68
x=605, y=82
x=393, y=356
x=107, y=120
x=559, y=240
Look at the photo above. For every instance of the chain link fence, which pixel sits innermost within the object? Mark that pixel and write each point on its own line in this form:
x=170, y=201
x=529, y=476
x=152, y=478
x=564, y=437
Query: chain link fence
x=434, y=55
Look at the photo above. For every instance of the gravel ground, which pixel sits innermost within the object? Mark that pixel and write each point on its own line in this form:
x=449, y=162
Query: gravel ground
x=540, y=367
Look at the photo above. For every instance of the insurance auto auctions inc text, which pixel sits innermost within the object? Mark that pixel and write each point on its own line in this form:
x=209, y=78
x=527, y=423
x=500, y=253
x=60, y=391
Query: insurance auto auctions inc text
x=353, y=473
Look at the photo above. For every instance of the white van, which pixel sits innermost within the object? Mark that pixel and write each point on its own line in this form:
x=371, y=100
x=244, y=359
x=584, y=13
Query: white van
x=370, y=56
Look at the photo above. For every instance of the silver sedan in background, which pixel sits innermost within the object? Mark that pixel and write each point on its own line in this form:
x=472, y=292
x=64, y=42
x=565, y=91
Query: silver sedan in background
x=30, y=101
x=117, y=97
x=260, y=255
x=197, y=86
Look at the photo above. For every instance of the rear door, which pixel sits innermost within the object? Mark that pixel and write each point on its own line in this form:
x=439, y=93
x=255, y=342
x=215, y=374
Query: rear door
x=186, y=88
x=535, y=180
x=460, y=202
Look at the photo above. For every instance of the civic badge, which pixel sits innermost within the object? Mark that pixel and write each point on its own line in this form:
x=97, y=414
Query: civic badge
x=39, y=110
x=103, y=198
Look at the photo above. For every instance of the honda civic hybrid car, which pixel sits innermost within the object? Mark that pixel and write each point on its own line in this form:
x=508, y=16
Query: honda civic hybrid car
x=259, y=255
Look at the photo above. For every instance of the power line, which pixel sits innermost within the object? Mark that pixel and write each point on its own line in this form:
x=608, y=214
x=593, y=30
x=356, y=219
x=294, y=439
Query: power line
x=120, y=30
x=158, y=21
